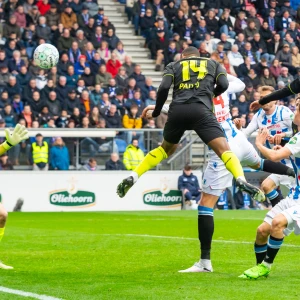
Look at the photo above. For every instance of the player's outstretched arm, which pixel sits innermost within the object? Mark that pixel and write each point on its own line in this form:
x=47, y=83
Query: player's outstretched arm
x=19, y=134
x=221, y=84
x=274, y=155
x=291, y=89
x=162, y=94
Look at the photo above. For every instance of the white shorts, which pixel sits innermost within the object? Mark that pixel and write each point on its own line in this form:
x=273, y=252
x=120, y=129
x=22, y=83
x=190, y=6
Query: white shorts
x=291, y=210
x=285, y=182
x=216, y=177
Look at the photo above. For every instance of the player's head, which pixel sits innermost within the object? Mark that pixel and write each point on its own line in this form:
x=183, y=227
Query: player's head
x=264, y=91
x=190, y=52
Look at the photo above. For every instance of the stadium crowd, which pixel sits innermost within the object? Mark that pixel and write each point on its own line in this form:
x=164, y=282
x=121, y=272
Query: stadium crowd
x=97, y=85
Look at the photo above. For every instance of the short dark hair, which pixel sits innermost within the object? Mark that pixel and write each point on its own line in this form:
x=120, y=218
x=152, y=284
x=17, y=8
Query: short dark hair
x=191, y=51
x=187, y=168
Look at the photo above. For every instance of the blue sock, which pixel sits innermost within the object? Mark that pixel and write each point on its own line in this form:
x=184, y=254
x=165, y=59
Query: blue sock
x=274, y=245
x=274, y=197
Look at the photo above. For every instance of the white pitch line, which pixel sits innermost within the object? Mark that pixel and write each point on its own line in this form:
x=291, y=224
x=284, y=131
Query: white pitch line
x=26, y=294
x=187, y=238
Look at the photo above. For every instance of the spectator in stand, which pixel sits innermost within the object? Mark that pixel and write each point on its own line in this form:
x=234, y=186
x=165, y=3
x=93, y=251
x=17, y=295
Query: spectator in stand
x=81, y=65
x=89, y=29
x=198, y=33
x=119, y=101
x=179, y=22
x=95, y=117
x=44, y=116
x=104, y=51
x=226, y=45
x=135, y=100
x=63, y=65
x=86, y=102
x=248, y=52
x=171, y=11
x=285, y=77
x=295, y=57
x=36, y=104
x=112, y=118
x=248, y=92
x=229, y=68
x=212, y=25
x=28, y=90
x=106, y=25
x=275, y=68
x=139, y=10
x=120, y=52
x=260, y=48
x=284, y=23
x=3, y=59
x=133, y=155
x=43, y=6
x=128, y=65
x=17, y=104
x=151, y=100
x=104, y=104
x=103, y=76
x=189, y=185
x=4, y=99
x=27, y=116
x=240, y=23
x=62, y=89
x=11, y=27
x=158, y=48
x=113, y=65
x=88, y=78
x=16, y=63
x=243, y=105
x=111, y=39
x=40, y=150
x=226, y=25
x=147, y=24
x=114, y=163
x=81, y=40
x=9, y=117
x=96, y=62
x=71, y=102
x=62, y=120
x=42, y=30
x=121, y=78
x=111, y=89
x=133, y=120
x=64, y=42
x=20, y=17
x=138, y=76
x=77, y=117
x=99, y=16
x=12, y=87
x=52, y=18
x=74, y=53
x=267, y=78
x=5, y=163
x=289, y=40
x=59, y=155
x=47, y=89
x=240, y=41
x=250, y=30
x=235, y=57
x=253, y=78
x=89, y=51
x=71, y=77
x=68, y=17
x=96, y=95
x=91, y=165
x=54, y=105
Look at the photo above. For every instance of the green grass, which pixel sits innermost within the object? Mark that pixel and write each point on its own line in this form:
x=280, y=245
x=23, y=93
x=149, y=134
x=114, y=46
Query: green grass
x=86, y=256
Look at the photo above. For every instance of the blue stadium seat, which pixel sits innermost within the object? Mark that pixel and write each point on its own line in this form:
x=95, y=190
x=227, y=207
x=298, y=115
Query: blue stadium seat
x=121, y=145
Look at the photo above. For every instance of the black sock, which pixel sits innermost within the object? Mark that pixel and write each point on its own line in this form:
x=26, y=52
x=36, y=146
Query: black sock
x=205, y=230
x=277, y=168
x=274, y=197
x=274, y=245
x=260, y=252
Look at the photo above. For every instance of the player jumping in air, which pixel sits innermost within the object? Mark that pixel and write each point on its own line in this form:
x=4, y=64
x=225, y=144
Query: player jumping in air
x=284, y=218
x=194, y=80
x=278, y=120
x=13, y=138
x=216, y=177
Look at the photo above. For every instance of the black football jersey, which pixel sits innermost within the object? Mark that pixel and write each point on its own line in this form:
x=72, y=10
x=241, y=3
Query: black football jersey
x=194, y=79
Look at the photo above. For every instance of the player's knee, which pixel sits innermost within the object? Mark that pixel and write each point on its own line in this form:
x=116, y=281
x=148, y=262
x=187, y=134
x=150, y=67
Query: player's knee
x=265, y=187
x=279, y=223
x=3, y=216
x=262, y=231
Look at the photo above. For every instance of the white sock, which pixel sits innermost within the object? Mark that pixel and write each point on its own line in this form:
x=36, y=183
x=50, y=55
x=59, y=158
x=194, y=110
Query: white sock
x=135, y=176
x=267, y=264
x=242, y=177
x=206, y=263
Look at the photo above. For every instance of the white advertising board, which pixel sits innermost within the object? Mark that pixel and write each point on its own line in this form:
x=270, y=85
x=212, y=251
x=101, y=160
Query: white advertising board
x=89, y=191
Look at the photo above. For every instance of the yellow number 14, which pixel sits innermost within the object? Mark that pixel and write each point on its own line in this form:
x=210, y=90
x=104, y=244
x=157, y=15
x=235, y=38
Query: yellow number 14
x=188, y=65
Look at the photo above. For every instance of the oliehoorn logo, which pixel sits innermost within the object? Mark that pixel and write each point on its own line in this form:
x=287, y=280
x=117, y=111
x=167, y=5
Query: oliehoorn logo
x=163, y=196
x=72, y=196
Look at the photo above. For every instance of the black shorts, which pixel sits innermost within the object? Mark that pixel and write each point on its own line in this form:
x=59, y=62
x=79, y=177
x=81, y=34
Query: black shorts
x=191, y=116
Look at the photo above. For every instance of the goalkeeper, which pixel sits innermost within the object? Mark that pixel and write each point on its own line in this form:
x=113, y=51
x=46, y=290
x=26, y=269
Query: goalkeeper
x=13, y=138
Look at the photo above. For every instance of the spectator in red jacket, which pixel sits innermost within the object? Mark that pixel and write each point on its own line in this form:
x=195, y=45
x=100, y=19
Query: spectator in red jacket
x=113, y=65
x=43, y=6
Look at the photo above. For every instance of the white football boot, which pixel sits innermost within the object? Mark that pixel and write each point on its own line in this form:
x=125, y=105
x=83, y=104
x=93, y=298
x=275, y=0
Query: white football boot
x=5, y=267
x=203, y=266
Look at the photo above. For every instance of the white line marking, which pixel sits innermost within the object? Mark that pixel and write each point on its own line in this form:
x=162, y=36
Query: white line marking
x=26, y=294
x=187, y=238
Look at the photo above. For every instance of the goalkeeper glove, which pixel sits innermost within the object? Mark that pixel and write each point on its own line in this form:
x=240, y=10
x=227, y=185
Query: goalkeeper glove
x=14, y=137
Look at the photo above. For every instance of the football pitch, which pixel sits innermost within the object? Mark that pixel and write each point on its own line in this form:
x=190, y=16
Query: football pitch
x=137, y=255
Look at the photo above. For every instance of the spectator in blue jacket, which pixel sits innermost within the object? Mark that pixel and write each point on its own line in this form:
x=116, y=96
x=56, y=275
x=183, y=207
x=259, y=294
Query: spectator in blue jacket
x=59, y=155
x=80, y=65
x=189, y=185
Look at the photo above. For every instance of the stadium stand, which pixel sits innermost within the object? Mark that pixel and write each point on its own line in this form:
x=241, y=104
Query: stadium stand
x=112, y=54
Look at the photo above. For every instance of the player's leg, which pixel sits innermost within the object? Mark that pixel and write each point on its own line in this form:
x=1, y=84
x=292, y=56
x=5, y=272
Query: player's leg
x=3, y=218
x=260, y=245
x=269, y=187
x=205, y=233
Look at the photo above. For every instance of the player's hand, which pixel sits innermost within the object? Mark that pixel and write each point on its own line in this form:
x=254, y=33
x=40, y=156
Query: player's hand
x=149, y=114
x=277, y=138
x=238, y=123
x=262, y=136
x=255, y=105
x=149, y=107
x=19, y=134
x=277, y=147
x=185, y=191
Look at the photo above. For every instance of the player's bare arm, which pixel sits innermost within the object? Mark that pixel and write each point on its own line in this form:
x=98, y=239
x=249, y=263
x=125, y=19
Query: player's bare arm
x=272, y=154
